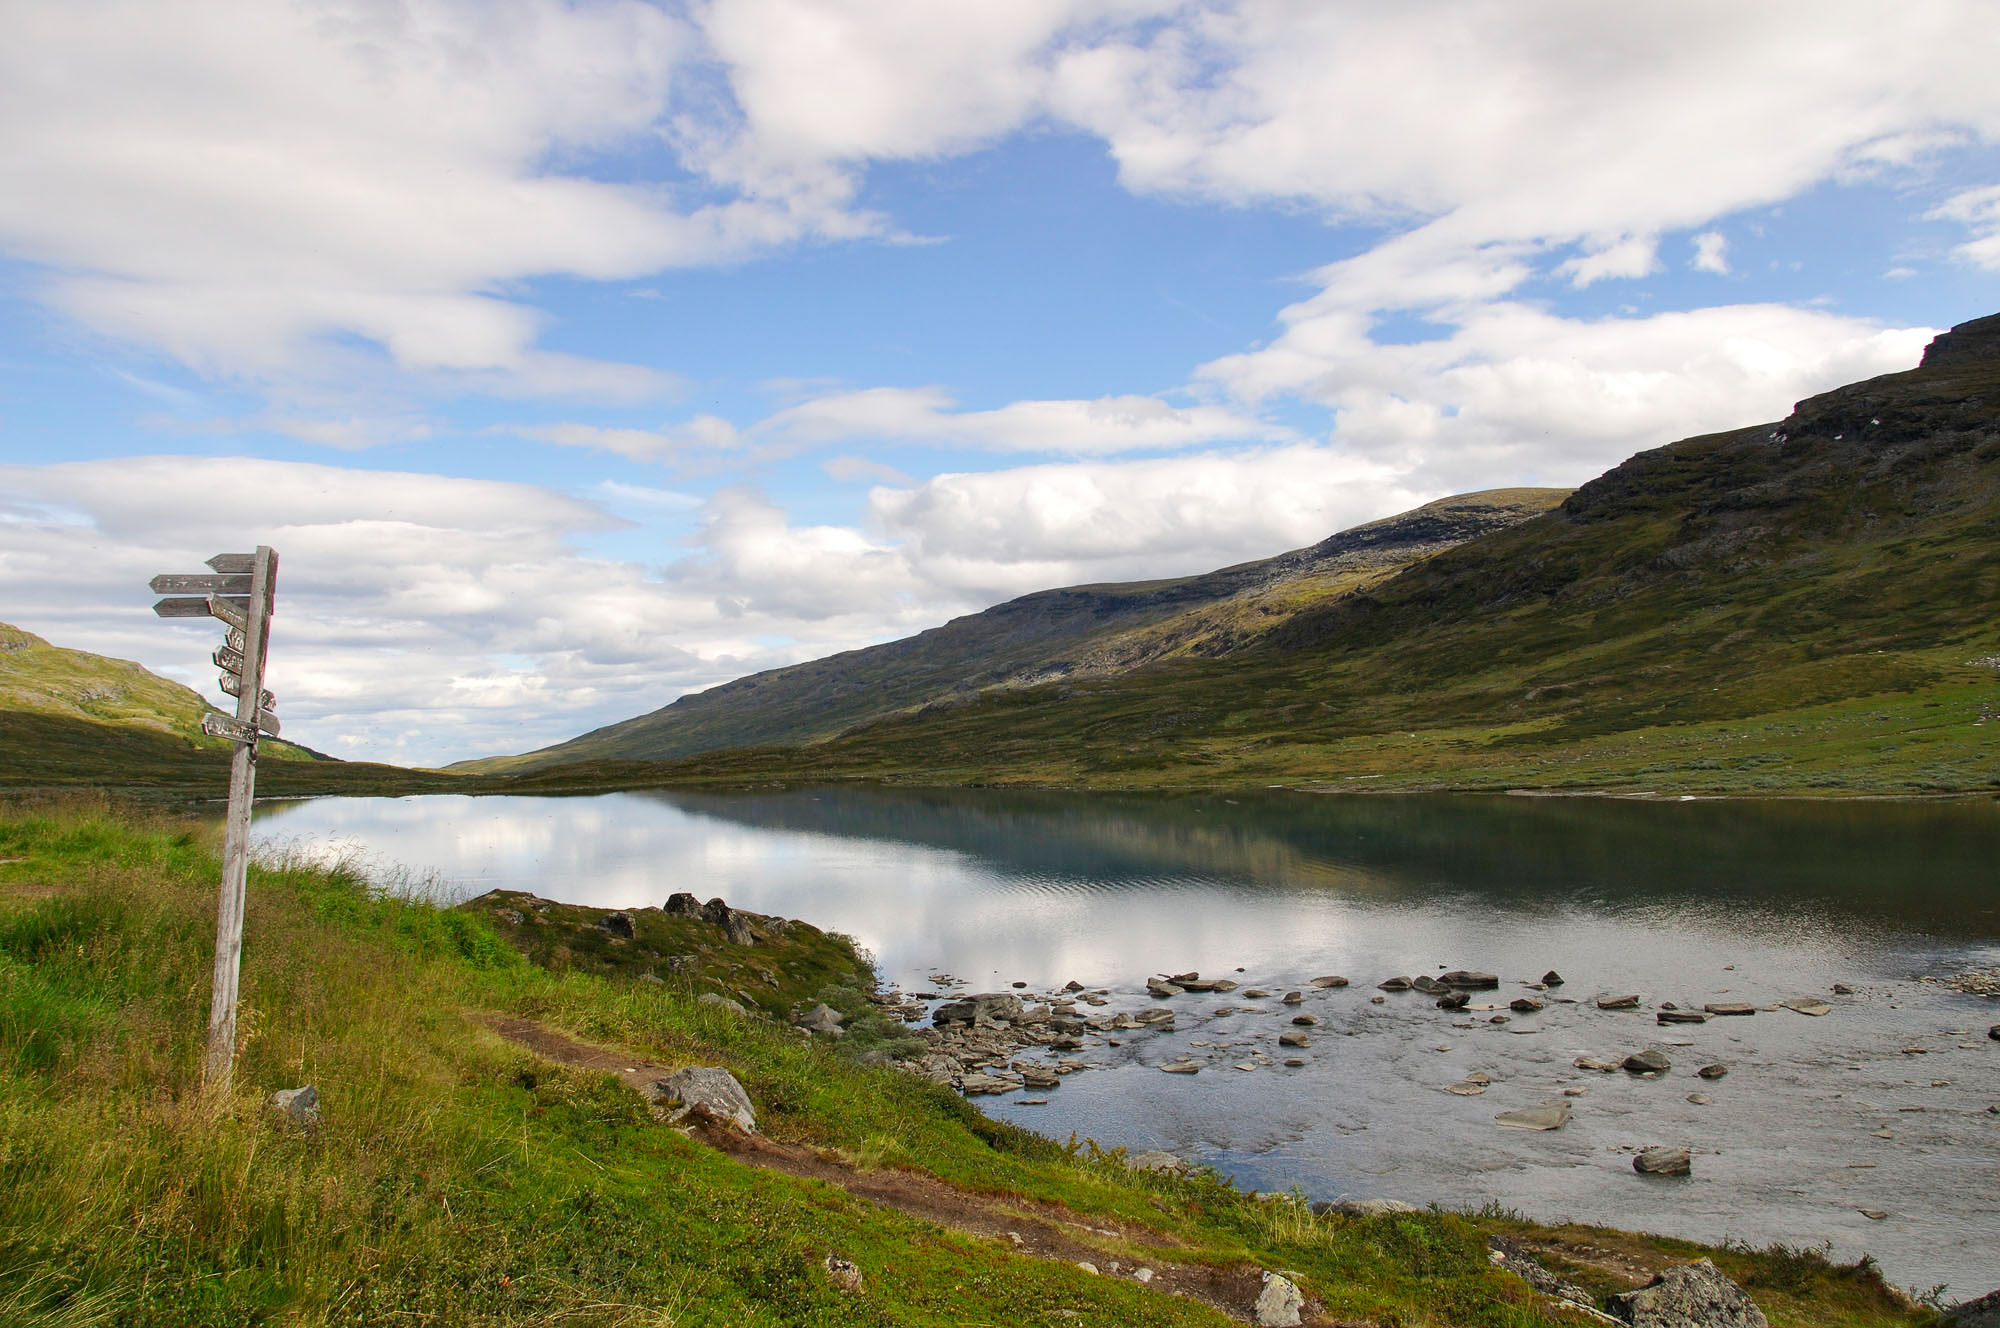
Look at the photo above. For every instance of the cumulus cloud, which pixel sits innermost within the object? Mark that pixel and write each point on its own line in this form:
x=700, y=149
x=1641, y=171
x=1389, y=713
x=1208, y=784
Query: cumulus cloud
x=1711, y=253
x=1002, y=533
x=1978, y=210
x=421, y=618
x=1514, y=392
x=926, y=415
x=241, y=184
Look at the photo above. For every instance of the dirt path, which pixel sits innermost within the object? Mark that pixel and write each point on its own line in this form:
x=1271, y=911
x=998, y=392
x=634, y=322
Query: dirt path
x=1032, y=1227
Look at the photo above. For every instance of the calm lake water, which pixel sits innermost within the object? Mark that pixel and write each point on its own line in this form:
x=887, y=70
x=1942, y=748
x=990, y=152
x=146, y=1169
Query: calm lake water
x=1879, y=1107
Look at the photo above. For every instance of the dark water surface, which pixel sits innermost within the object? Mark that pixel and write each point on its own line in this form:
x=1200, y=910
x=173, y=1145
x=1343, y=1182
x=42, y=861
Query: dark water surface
x=1687, y=901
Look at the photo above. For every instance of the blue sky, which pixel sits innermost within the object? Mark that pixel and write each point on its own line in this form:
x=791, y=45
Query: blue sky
x=577, y=355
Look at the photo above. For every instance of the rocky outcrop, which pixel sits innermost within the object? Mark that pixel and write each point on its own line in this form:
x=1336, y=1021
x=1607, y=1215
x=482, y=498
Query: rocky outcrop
x=1693, y=1295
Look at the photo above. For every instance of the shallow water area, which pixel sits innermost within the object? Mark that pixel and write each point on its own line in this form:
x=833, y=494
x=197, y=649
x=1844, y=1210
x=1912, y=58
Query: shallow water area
x=1687, y=902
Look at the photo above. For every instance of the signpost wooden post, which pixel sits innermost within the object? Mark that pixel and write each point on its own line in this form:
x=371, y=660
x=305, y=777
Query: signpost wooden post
x=240, y=592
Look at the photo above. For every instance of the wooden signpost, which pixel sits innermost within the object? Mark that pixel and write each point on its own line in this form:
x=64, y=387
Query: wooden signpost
x=239, y=590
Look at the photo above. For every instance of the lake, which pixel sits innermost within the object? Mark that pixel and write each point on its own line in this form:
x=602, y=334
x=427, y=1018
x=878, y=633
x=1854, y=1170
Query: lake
x=1867, y=1129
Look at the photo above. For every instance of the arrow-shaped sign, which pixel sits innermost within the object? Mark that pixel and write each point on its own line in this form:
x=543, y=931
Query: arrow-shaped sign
x=171, y=583
x=234, y=686
x=233, y=563
x=218, y=725
x=233, y=612
x=228, y=660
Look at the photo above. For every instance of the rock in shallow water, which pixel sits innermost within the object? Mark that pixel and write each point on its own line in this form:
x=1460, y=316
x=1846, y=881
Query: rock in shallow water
x=1550, y=1115
x=1617, y=1002
x=1663, y=1162
x=1650, y=1061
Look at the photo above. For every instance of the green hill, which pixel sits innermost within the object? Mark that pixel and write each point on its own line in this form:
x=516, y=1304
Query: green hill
x=1808, y=604
x=1075, y=632
x=69, y=719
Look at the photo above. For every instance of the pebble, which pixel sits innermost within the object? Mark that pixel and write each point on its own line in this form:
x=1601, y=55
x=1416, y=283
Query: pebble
x=1700, y=1099
x=1712, y=1071
x=1294, y=1062
x=1663, y=1162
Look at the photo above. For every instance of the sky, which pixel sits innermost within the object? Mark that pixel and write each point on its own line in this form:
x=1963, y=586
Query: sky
x=575, y=356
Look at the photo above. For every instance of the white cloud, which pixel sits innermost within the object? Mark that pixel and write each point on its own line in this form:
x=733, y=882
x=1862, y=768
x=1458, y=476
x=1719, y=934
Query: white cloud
x=1711, y=253
x=421, y=618
x=1626, y=256
x=1514, y=392
x=238, y=183
x=926, y=415
x=1004, y=533
x=1978, y=210
x=848, y=469
x=701, y=433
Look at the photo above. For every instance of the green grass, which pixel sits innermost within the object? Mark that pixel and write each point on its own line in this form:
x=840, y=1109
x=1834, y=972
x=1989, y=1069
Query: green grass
x=457, y=1180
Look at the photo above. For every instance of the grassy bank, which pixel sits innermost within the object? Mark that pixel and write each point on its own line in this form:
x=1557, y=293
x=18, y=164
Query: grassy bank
x=458, y=1179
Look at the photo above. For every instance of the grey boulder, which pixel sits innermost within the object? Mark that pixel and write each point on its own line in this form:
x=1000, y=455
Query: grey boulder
x=1692, y=1295
x=710, y=1090
x=821, y=1019
x=1279, y=1303
x=300, y=1106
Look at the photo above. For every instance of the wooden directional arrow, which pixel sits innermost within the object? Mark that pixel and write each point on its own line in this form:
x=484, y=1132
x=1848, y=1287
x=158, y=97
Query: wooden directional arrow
x=218, y=725
x=233, y=640
x=234, y=563
x=230, y=684
x=228, y=659
x=235, y=612
x=170, y=583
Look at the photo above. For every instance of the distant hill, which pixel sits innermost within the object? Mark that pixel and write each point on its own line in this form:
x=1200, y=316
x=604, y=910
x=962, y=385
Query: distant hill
x=1075, y=632
x=39, y=678
x=1807, y=604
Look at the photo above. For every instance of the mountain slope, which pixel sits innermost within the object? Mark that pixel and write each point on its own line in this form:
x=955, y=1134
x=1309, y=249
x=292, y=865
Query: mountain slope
x=1813, y=603
x=1071, y=632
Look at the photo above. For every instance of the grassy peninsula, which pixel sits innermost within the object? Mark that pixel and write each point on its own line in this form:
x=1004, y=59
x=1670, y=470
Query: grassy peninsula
x=458, y=1176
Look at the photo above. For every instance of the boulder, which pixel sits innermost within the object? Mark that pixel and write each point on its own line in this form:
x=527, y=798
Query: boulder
x=1663, y=1162
x=1331, y=980
x=845, y=1276
x=721, y=1003
x=1713, y=1071
x=1617, y=1002
x=1362, y=1207
x=1294, y=1040
x=1181, y=1067
x=973, y=1084
x=987, y=1007
x=1306, y=1020
x=682, y=905
x=1981, y=1313
x=1293, y=998
x=1394, y=984
x=1693, y=1295
x=1650, y=1061
x=1279, y=1303
x=1552, y=979
x=737, y=928
x=821, y=1019
x=299, y=1106
x=1666, y=1016
x=1469, y=980
x=618, y=924
x=710, y=1090
x=1162, y=988
x=1154, y=1159
x=1550, y=1115
x=1729, y=1008
x=1454, y=1000
x=715, y=911
x=1524, y=1005
x=1994, y=1032
x=1072, y=985
x=1427, y=984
